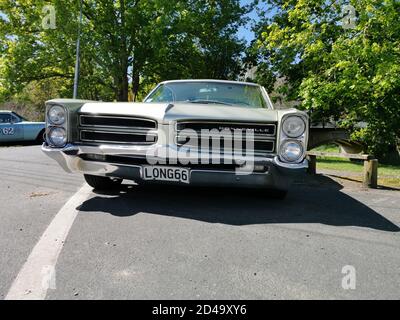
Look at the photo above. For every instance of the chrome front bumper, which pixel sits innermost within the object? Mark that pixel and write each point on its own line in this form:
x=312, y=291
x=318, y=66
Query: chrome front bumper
x=278, y=175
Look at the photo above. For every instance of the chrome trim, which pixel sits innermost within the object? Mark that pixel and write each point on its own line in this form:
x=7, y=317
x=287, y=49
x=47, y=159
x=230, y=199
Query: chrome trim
x=300, y=165
x=151, y=92
x=267, y=98
x=257, y=137
x=122, y=130
x=228, y=122
x=67, y=149
x=119, y=142
x=302, y=139
x=278, y=176
x=212, y=81
x=49, y=125
x=116, y=117
x=253, y=151
x=117, y=130
x=127, y=150
x=226, y=171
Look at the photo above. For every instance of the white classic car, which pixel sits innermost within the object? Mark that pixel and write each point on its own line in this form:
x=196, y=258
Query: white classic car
x=186, y=132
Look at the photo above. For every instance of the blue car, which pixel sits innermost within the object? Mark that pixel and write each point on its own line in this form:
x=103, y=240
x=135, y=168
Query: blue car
x=15, y=128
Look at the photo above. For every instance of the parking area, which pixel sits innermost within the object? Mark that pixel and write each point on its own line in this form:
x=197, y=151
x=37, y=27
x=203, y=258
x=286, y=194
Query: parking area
x=191, y=243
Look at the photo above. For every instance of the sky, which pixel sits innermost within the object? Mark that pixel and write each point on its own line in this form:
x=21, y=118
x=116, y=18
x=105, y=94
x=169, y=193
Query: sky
x=245, y=32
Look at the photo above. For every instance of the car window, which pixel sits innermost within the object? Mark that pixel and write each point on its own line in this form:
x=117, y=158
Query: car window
x=209, y=92
x=18, y=117
x=162, y=94
x=7, y=118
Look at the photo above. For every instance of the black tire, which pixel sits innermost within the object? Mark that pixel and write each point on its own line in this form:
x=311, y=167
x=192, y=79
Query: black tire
x=277, y=194
x=102, y=183
x=40, y=138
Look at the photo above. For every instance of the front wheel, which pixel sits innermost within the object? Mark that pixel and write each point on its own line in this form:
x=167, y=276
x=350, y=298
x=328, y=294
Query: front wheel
x=102, y=183
x=40, y=137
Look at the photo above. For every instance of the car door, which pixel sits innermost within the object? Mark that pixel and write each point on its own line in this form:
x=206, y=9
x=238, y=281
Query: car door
x=10, y=128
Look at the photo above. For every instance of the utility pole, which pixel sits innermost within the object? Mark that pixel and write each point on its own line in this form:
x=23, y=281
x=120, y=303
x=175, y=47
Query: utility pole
x=77, y=60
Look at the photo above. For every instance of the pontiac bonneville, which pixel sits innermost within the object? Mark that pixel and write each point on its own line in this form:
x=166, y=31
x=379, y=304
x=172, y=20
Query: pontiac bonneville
x=185, y=132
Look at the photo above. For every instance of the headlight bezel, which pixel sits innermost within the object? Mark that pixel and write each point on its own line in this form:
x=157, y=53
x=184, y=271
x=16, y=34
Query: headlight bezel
x=51, y=126
x=283, y=155
x=287, y=119
x=284, y=138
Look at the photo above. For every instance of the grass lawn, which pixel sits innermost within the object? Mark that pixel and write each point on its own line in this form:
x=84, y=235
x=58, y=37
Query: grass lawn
x=388, y=175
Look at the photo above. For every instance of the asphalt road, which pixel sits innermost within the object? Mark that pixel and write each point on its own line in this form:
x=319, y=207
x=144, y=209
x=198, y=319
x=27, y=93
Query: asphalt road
x=180, y=243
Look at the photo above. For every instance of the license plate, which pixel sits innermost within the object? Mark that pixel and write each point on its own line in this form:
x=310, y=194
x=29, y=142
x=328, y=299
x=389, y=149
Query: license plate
x=160, y=173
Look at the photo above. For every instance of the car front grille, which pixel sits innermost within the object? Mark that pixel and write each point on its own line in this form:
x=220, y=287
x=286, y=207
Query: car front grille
x=117, y=130
x=227, y=137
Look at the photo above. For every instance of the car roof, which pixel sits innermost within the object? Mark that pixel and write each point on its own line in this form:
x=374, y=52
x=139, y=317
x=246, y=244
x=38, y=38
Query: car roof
x=212, y=80
x=6, y=111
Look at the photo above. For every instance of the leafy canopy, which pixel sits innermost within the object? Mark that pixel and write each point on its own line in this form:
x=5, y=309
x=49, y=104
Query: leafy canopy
x=126, y=45
x=349, y=74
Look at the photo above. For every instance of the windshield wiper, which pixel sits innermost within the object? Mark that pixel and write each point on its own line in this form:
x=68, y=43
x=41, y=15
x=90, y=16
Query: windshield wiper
x=208, y=101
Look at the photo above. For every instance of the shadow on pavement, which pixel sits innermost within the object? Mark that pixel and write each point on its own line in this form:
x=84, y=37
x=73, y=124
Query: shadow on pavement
x=314, y=200
x=358, y=181
x=20, y=144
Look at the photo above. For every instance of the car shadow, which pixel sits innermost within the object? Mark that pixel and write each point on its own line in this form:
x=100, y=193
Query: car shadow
x=315, y=199
x=20, y=144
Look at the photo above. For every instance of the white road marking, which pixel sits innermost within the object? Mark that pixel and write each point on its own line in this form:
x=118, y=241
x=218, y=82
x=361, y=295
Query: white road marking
x=29, y=283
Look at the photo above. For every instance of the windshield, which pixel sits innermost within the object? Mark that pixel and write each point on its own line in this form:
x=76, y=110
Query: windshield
x=209, y=93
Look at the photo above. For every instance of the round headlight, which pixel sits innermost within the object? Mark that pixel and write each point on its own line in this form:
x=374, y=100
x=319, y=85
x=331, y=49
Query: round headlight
x=291, y=151
x=57, y=137
x=294, y=127
x=56, y=115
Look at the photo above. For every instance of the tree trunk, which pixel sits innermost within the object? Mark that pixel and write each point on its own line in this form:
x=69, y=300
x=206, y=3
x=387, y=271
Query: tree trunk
x=135, y=84
x=123, y=86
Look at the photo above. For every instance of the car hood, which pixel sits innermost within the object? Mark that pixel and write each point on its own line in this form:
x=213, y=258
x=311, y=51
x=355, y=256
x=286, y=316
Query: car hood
x=164, y=112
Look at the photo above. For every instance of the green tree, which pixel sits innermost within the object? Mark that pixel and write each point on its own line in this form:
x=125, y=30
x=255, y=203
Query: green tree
x=348, y=72
x=191, y=39
x=125, y=43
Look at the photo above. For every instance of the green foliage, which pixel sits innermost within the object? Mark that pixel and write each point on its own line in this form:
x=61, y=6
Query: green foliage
x=126, y=45
x=350, y=75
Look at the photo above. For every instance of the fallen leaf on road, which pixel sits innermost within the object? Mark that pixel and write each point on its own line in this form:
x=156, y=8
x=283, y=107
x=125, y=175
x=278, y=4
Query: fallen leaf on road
x=39, y=194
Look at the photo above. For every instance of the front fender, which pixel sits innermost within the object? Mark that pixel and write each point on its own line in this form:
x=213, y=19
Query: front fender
x=32, y=130
x=72, y=106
